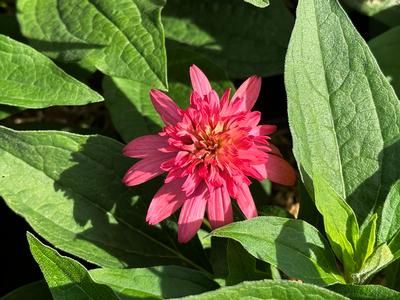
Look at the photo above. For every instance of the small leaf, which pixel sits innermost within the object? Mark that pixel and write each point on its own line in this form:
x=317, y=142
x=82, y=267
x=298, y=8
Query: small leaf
x=67, y=279
x=293, y=246
x=242, y=39
x=121, y=38
x=342, y=111
x=258, y=3
x=365, y=292
x=389, y=223
x=269, y=290
x=158, y=282
x=29, y=79
x=381, y=257
x=35, y=290
x=366, y=244
x=340, y=222
x=385, y=48
x=394, y=245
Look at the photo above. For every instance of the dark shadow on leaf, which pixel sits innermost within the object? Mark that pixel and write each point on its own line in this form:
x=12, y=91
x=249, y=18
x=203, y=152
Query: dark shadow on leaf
x=113, y=214
x=378, y=184
x=305, y=249
x=241, y=47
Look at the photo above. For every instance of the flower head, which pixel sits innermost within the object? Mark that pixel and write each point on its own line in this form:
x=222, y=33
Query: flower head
x=208, y=152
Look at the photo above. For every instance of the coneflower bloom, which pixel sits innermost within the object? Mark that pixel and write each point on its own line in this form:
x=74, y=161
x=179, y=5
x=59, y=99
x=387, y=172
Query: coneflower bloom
x=208, y=152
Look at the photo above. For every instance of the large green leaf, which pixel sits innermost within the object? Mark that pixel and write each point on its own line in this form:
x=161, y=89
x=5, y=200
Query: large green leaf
x=35, y=290
x=365, y=292
x=293, y=246
x=343, y=112
x=386, y=48
x=155, y=283
x=129, y=102
x=372, y=7
x=242, y=39
x=67, y=279
x=268, y=289
x=68, y=188
x=29, y=79
x=122, y=38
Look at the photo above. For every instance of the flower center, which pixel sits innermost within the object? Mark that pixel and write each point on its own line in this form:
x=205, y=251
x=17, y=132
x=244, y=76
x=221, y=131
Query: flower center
x=210, y=141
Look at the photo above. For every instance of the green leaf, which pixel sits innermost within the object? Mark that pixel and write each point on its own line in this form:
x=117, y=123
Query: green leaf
x=258, y=3
x=380, y=258
x=293, y=246
x=74, y=198
x=340, y=222
x=372, y=7
x=242, y=39
x=365, y=292
x=392, y=275
x=158, y=282
x=385, y=48
x=389, y=222
x=35, y=290
x=67, y=279
x=343, y=112
x=366, y=243
x=129, y=102
x=121, y=38
x=29, y=79
x=241, y=265
x=394, y=245
x=269, y=289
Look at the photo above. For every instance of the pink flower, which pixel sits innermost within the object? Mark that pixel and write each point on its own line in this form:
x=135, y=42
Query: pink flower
x=208, y=152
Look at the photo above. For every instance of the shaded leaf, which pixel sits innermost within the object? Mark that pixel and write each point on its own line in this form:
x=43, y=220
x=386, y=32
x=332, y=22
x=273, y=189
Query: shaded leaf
x=385, y=48
x=242, y=39
x=35, y=290
x=121, y=38
x=389, y=222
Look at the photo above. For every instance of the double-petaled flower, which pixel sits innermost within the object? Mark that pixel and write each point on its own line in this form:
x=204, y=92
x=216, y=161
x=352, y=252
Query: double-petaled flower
x=208, y=152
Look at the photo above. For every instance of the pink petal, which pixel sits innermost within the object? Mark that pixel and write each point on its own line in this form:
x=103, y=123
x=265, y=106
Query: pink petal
x=168, y=110
x=219, y=207
x=263, y=130
x=200, y=82
x=167, y=200
x=280, y=171
x=145, y=169
x=248, y=93
x=145, y=146
x=246, y=202
x=192, y=214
